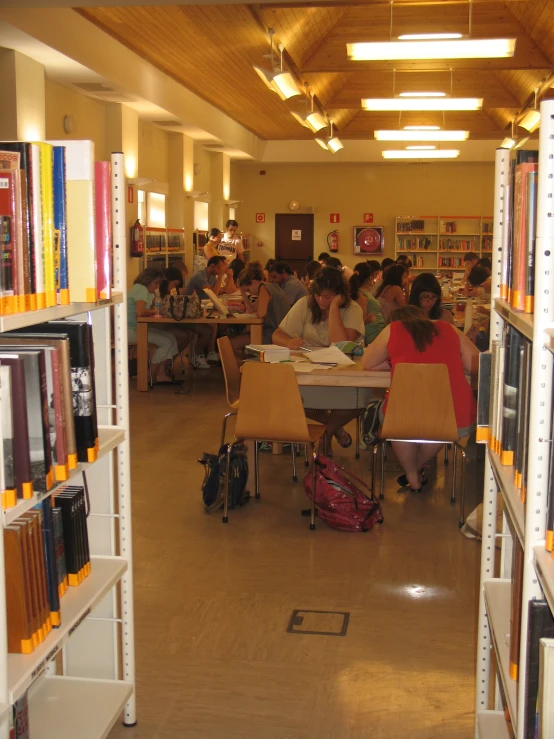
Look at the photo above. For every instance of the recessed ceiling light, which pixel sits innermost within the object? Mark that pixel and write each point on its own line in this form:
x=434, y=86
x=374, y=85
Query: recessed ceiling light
x=463, y=49
x=422, y=128
x=428, y=36
x=436, y=154
x=421, y=135
x=420, y=148
x=422, y=94
x=381, y=104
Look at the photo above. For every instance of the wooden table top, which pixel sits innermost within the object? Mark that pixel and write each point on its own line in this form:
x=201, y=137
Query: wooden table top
x=247, y=318
x=346, y=375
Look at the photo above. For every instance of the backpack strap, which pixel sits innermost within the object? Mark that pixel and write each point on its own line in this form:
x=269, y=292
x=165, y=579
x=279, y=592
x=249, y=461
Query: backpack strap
x=350, y=474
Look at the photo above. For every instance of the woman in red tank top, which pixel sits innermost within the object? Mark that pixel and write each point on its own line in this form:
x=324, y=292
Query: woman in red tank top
x=413, y=338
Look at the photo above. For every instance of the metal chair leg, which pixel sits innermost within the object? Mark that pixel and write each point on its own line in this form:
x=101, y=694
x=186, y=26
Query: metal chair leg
x=463, y=488
x=446, y=448
x=383, y=457
x=358, y=437
x=224, y=427
x=312, y=508
x=306, y=460
x=374, y=467
x=225, y=518
x=293, y=453
x=256, y=472
x=454, y=470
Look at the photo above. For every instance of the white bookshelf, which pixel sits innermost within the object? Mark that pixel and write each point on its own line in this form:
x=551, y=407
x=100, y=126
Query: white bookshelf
x=77, y=687
x=527, y=520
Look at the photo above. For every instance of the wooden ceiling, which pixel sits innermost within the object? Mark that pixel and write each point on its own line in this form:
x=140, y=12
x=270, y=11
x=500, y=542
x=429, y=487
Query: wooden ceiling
x=211, y=50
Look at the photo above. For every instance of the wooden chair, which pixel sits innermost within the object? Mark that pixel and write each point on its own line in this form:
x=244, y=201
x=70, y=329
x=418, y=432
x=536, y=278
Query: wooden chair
x=420, y=409
x=231, y=373
x=280, y=418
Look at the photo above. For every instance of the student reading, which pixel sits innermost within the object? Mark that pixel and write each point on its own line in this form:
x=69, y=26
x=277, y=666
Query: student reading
x=326, y=315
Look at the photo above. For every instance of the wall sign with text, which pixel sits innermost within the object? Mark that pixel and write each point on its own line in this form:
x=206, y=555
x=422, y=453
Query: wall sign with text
x=296, y=234
x=369, y=240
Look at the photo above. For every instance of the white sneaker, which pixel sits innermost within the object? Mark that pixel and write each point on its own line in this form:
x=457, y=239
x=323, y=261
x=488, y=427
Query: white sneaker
x=213, y=357
x=199, y=362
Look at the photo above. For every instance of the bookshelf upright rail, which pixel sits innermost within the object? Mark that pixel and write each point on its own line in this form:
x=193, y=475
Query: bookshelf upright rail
x=82, y=676
x=527, y=520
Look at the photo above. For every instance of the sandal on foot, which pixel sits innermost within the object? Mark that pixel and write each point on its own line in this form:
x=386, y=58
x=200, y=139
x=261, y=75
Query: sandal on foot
x=403, y=480
x=343, y=437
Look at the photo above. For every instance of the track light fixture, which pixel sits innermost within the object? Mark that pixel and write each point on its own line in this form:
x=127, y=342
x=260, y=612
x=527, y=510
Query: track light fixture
x=332, y=143
x=278, y=80
x=313, y=119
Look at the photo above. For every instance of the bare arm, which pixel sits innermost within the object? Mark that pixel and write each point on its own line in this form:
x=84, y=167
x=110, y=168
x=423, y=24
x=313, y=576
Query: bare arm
x=263, y=302
x=377, y=352
x=142, y=310
x=250, y=308
x=470, y=356
x=209, y=250
x=398, y=294
x=281, y=338
x=362, y=302
x=337, y=329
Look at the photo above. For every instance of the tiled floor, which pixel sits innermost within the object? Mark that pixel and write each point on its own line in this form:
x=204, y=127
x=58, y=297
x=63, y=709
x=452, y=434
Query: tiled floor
x=212, y=602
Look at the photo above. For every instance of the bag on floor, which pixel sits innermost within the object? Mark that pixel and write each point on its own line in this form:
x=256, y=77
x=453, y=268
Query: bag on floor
x=371, y=421
x=180, y=307
x=213, y=486
x=340, y=503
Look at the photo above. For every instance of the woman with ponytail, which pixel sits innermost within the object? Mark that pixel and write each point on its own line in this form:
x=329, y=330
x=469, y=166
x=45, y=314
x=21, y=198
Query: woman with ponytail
x=413, y=338
x=361, y=284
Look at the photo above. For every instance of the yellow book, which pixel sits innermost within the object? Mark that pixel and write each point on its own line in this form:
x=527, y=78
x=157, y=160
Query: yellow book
x=47, y=197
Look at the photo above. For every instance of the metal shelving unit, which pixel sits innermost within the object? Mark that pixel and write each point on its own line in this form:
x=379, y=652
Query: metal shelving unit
x=83, y=675
x=527, y=520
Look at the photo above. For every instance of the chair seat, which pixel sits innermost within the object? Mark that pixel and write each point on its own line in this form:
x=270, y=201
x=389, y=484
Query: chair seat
x=234, y=405
x=315, y=431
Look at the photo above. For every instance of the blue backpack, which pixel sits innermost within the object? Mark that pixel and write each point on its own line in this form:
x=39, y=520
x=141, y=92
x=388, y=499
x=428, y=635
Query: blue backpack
x=213, y=486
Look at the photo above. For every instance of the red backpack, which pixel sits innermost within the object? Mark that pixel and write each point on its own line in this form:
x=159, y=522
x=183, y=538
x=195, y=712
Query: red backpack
x=339, y=502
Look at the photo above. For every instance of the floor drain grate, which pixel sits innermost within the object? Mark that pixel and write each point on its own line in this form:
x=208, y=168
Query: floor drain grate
x=320, y=623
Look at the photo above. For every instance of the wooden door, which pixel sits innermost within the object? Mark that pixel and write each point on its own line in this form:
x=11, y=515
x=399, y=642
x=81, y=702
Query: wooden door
x=294, y=239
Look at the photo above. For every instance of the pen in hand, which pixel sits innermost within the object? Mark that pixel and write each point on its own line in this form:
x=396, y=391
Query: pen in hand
x=303, y=348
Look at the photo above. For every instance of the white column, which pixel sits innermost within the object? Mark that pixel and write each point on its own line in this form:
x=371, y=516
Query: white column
x=23, y=107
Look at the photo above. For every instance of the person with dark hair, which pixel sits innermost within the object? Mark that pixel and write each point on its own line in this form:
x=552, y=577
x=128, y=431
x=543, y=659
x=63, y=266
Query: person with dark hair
x=312, y=268
x=267, y=269
x=404, y=260
x=337, y=264
x=323, y=257
x=325, y=316
x=213, y=238
x=230, y=245
x=412, y=338
x=361, y=283
x=211, y=276
x=139, y=304
x=391, y=293
x=236, y=267
x=426, y=294
x=478, y=283
x=470, y=260
x=281, y=274
x=385, y=264
x=271, y=304
x=486, y=263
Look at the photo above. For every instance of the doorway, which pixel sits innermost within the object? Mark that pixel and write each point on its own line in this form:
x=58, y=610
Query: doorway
x=294, y=240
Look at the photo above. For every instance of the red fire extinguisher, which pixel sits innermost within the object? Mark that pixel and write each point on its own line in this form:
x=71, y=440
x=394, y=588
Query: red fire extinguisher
x=333, y=241
x=137, y=242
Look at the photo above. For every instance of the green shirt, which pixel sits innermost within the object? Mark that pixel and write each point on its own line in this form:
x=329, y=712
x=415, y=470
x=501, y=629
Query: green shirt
x=372, y=330
x=137, y=292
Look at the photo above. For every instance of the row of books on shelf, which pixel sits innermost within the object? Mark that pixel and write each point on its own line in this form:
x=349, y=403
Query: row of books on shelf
x=457, y=244
x=420, y=244
x=486, y=243
x=47, y=406
x=517, y=278
x=486, y=228
x=417, y=261
x=46, y=551
x=55, y=225
x=161, y=240
x=412, y=226
x=448, y=227
x=451, y=262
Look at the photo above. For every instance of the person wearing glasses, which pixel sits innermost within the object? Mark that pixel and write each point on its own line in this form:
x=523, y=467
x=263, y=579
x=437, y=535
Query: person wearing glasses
x=426, y=294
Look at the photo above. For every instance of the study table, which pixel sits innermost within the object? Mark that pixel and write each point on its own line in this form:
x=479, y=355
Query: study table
x=253, y=321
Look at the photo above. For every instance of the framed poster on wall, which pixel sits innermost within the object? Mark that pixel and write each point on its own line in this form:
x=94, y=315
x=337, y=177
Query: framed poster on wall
x=369, y=239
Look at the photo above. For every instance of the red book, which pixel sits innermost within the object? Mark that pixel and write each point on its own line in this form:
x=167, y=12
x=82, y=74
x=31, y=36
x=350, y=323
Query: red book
x=7, y=234
x=102, y=197
x=520, y=253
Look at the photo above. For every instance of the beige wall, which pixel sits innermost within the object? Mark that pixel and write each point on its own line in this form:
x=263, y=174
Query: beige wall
x=386, y=190
x=152, y=155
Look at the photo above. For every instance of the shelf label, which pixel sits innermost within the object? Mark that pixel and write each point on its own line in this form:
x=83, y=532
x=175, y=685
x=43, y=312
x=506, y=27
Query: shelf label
x=79, y=622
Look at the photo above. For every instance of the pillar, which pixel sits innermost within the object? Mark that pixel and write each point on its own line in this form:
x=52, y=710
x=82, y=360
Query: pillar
x=220, y=171
x=179, y=207
x=23, y=106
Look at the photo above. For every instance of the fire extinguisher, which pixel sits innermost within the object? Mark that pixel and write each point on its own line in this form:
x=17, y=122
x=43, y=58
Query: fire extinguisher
x=333, y=241
x=137, y=242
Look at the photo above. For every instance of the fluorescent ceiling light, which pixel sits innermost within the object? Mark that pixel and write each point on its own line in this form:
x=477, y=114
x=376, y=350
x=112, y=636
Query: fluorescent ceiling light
x=322, y=143
x=428, y=36
x=422, y=94
x=314, y=121
x=422, y=128
x=395, y=104
x=436, y=154
x=464, y=49
x=420, y=148
x=334, y=144
x=421, y=135
x=530, y=121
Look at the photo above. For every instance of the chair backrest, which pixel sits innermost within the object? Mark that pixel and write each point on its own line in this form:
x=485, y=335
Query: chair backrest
x=468, y=315
x=420, y=404
x=231, y=370
x=270, y=406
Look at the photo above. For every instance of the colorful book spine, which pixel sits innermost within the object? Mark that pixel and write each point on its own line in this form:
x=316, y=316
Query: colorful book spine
x=520, y=246
x=102, y=190
x=531, y=235
x=60, y=224
x=8, y=302
x=38, y=228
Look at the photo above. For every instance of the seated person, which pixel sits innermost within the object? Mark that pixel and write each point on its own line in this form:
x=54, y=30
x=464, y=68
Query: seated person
x=236, y=267
x=281, y=274
x=412, y=338
x=323, y=257
x=361, y=283
x=211, y=276
x=337, y=264
x=312, y=268
x=385, y=264
x=326, y=315
x=183, y=269
x=139, y=305
x=212, y=242
x=391, y=295
x=478, y=284
x=271, y=304
x=486, y=263
x=470, y=260
x=267, y=269
x=406, y=262
x=426, y=294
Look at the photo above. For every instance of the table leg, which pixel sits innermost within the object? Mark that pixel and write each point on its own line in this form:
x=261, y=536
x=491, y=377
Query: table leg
x=142, y=357
x=256, y=333
x=276, y=447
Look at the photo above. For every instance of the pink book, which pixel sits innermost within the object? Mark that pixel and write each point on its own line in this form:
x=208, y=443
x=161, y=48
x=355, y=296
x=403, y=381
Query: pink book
x=103, y=230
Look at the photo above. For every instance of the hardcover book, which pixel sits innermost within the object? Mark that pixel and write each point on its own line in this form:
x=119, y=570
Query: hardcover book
x=21, y=447
x=9, y=495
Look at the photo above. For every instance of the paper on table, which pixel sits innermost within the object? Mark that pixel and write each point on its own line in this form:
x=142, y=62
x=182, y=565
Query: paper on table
x=329, y=354
x=303, y=367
